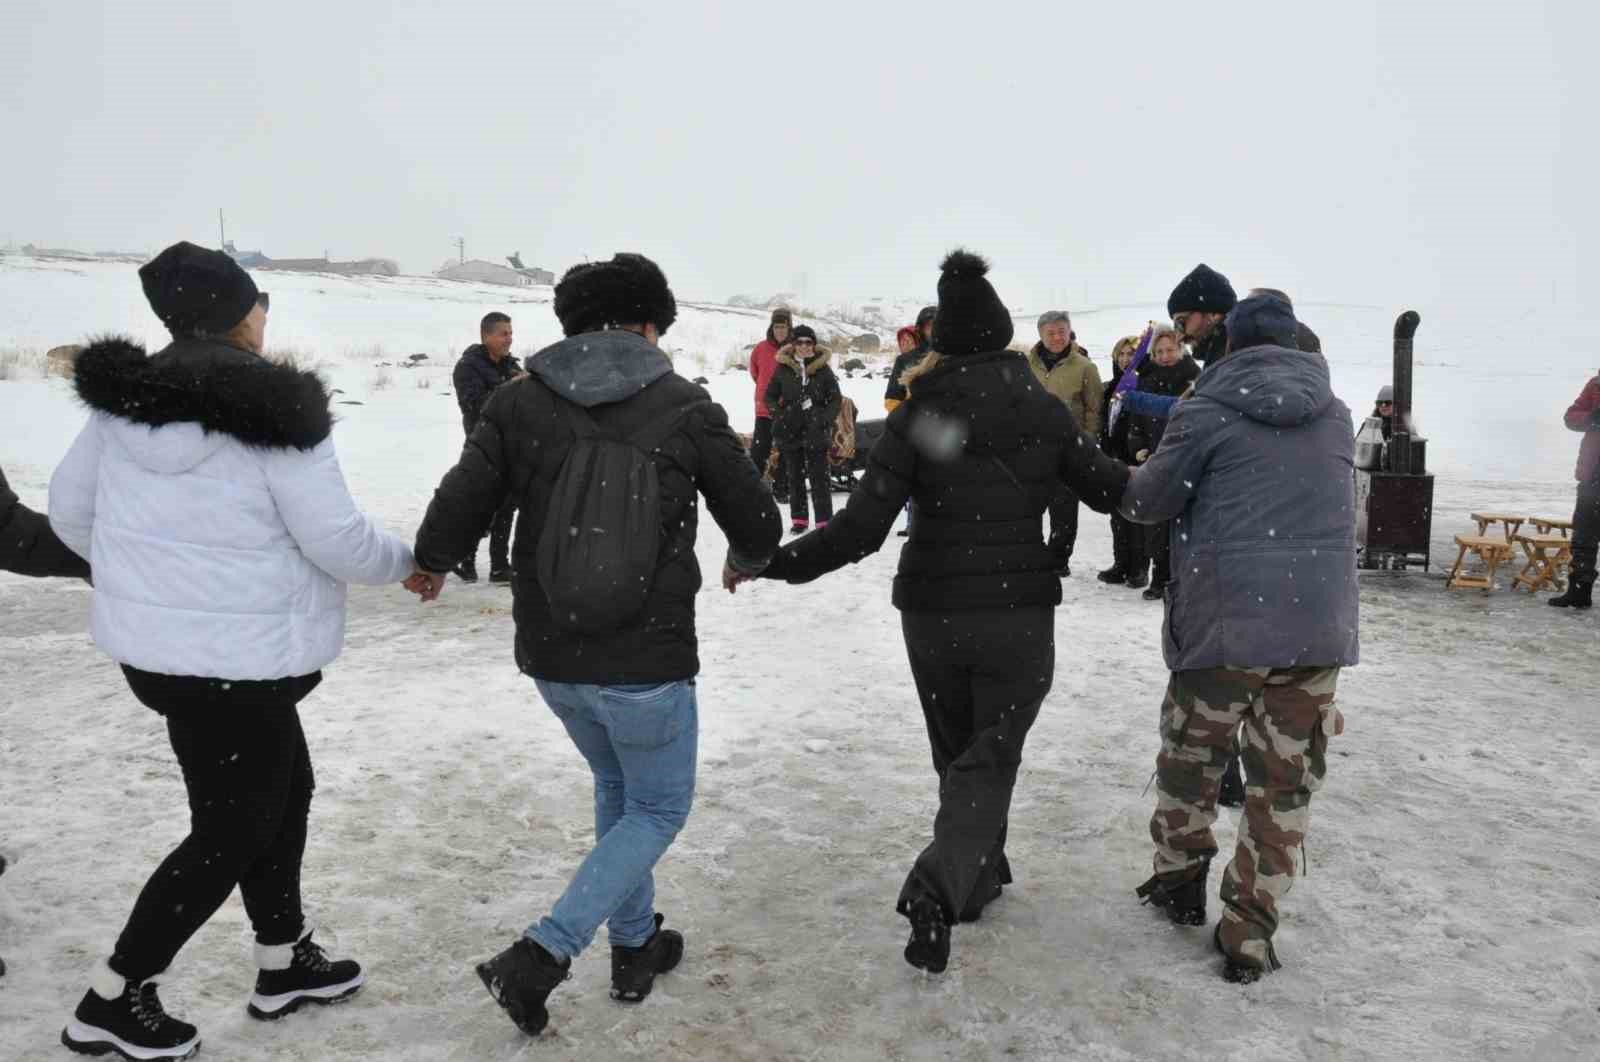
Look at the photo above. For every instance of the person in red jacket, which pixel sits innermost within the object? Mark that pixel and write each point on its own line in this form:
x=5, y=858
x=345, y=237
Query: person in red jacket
x=1584, y=416
x=763, y=364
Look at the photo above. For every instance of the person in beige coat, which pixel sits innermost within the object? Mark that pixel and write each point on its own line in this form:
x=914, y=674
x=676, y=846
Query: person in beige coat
x=1064, y=370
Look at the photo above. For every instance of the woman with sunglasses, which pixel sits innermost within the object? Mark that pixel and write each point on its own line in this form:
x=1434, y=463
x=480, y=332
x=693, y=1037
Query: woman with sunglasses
x=804, y=398
x=206, y=494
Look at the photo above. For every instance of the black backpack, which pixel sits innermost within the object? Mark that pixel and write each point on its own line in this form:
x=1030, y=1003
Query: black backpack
x=601, y=541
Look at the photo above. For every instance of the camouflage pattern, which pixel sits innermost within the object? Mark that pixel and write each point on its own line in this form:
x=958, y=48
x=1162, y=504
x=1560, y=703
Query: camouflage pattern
x=1288, y=715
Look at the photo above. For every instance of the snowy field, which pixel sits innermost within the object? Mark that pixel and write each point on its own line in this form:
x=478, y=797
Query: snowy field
x=1448, y=913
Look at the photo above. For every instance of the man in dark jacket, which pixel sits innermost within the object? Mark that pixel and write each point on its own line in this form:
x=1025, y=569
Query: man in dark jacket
x=626, y=694
x=1584, y=416
x=982, y=448
x=804, y=398
x=29, y=547
x=1257, y=467
x=482, y=368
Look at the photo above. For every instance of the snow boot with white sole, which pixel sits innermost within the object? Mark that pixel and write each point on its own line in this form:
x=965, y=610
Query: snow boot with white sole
x=520, y=979
x=293, y=975
x=634, y=970
x=125, y=1018
x=1181, y=894
x=929, y=946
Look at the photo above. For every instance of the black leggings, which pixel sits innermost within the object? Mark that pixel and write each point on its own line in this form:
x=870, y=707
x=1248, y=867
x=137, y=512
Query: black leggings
x=248, y=775
x=981, y=677
x=1585, y=535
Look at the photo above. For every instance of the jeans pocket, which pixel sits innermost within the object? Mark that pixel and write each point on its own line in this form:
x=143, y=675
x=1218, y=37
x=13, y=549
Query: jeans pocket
x=647, y=717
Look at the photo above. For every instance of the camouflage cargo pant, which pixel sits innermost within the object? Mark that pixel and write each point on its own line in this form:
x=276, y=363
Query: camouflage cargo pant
x=1288, y=716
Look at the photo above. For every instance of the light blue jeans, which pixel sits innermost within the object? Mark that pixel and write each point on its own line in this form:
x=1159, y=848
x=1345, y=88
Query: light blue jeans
x=641, y=743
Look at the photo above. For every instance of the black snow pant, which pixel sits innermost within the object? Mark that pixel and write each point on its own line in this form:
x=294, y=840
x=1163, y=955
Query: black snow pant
x=1158, y=544
x=1063, y=524
x=808, y=463
x=248, y=775
x=981, y=677
x=761, y=445
x=1585, y=536
x=1127, y=546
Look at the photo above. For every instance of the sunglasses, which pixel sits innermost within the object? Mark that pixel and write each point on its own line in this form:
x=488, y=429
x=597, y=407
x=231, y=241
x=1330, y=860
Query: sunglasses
x=264, y=301
x=1179, y=321
x=805, y=342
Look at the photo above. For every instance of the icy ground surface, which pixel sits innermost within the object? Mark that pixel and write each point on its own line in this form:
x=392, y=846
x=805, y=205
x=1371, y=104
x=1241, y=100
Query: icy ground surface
x=1448, y=913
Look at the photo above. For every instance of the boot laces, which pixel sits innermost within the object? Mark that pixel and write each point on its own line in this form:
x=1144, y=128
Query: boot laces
x=309, y=954
x=146, y=1006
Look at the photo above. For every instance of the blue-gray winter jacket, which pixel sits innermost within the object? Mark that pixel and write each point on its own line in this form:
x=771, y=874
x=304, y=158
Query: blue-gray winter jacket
x=1257, y=467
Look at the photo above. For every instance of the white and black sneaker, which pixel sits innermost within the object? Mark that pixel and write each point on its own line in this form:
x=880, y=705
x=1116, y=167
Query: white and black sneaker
x=126, y=1018
x=293, y=975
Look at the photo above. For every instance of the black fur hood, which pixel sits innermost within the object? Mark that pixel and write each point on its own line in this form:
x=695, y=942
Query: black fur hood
x=223, y=389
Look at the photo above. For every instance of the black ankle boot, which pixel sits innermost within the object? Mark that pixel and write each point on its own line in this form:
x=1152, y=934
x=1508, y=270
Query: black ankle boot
x=929, y=946
x=1113, y=574
x=293, y=975
x=1138, y=581
x=1578, y=595
x=131, y=1023
x=520, y=979
x=1180, y=894
x=633, y=970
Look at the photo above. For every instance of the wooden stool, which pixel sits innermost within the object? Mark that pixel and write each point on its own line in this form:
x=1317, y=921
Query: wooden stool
x=1513, y=523
x=1487, y=548
x=1546, y=525
x=1547, y=554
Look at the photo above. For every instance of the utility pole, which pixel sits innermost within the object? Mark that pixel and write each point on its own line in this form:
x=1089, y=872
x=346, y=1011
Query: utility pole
x=461, y=250
x=222, y=228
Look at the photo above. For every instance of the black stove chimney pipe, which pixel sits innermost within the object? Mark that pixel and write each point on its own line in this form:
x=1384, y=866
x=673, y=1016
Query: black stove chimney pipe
x=1405, y=330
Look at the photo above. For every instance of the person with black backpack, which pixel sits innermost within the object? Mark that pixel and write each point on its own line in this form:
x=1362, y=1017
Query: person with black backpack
x=603, y=448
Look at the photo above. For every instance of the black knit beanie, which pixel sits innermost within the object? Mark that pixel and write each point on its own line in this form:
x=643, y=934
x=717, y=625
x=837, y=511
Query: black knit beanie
x=628, y=290
x=971, y=317
x=193, y=289
x=1262, y=320
x=1203, y=291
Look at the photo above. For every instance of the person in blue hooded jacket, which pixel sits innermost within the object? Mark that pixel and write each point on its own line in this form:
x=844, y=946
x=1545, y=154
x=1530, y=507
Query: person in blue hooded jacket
x=1256, y=472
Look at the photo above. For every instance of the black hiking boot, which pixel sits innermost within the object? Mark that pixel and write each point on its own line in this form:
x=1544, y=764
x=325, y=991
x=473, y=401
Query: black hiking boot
x=293, y=975
x=929, y=946
x=1578, y=595
x=1231, y=794
x=520, y=979
x=1138, y=581
x=500, y=576
x=132, y=1024
x=633, y=970
x=1240, y=971
x=1180, y=894
x=466, y=571
x=1155, y=591
x=1113, y=575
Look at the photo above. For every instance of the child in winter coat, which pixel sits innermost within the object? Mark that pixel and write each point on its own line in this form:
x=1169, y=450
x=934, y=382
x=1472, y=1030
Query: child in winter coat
x=804, y=398
x=1168, y=371
x=1130, y=561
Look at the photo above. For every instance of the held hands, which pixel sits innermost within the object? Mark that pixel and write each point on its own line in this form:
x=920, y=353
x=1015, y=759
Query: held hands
x=426, y=585
x=732, y=578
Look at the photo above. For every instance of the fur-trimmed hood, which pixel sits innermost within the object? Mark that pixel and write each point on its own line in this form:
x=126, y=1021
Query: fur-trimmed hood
x=221, y=389
x=818, y=361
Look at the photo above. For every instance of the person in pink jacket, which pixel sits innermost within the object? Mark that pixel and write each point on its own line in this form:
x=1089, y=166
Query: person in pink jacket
x=763, y=364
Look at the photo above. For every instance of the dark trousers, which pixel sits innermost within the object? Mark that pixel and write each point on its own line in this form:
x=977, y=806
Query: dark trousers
x=1063, y=523
x=1127, y=546
x=808, y=463
x=981, y=677
x=1158, y=544
x=248, y=775
x=761, y=455
x=1585, y=536
x=500, y=538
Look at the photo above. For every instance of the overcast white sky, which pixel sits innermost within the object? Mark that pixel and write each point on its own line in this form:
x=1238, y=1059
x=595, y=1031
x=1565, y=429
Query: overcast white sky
x=1428, y=154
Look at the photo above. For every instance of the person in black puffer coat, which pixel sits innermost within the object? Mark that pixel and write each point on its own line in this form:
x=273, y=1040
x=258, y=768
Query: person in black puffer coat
x=1167, y=371
x=895, y=392
x=1130, y=562
x=981, y=448
x=483, y=367
x=804, y=398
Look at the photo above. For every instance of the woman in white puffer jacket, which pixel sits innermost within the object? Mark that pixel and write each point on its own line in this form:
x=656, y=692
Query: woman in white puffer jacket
x=206, y=494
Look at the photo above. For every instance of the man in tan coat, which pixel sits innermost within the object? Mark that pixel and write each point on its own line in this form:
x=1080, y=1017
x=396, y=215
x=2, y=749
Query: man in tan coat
x=1064, y=369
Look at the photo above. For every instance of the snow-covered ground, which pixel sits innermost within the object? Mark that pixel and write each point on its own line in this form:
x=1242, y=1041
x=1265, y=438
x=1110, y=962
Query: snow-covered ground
x=1448, y=913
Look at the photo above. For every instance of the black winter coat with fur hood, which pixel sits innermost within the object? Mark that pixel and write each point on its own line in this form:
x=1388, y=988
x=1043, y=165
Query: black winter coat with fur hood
x=792, y=423
x=981, y=448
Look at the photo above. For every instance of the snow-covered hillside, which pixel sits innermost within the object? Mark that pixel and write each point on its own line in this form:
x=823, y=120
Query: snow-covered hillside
x=1448, y=912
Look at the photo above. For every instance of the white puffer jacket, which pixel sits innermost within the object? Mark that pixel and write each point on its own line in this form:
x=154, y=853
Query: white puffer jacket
x=206, y=494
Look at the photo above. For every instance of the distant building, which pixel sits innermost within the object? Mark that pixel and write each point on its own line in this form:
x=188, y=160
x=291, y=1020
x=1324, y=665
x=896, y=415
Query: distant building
x=365, y=267
x=247, y=259
x=477, y=271
x=540, y=276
